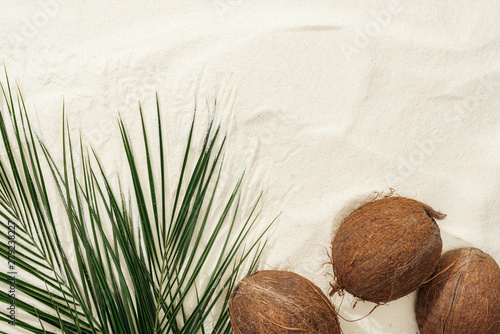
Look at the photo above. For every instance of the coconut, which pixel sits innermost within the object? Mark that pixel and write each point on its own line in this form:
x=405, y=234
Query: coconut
x=386, y=249
x=463, y=296
x=278, y=302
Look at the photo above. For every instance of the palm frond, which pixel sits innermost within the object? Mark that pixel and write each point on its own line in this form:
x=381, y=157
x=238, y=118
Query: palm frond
x=150, y=260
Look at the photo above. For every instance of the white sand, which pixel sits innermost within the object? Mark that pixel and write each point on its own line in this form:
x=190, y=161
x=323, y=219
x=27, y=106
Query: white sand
x=325, y=103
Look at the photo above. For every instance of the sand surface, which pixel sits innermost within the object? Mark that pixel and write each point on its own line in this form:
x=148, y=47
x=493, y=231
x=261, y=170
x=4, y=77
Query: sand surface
x=325, y=103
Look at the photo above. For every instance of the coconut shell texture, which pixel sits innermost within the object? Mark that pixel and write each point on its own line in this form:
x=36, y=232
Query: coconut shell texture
x=280, y=302
x=463, y=295
x=386, y=249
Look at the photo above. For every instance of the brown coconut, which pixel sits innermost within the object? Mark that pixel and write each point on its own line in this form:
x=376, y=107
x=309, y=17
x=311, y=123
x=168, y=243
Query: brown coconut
x=463, y=296
x=279, y=302
x=386, y=249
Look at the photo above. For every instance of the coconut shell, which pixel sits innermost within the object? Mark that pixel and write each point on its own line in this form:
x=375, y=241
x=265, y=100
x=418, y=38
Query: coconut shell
x=463, y=296
x=386, y=249
x=280, y=302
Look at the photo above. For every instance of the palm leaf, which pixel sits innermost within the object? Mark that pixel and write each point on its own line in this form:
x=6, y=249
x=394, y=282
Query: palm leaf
x=136, y=260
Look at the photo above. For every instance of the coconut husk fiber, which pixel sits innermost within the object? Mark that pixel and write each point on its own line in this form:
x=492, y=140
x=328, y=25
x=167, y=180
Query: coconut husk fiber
x=280, y=302
x=386, y=249
x=463, y=296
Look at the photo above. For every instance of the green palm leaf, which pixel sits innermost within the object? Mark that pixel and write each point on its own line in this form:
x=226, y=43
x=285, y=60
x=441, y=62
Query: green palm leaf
x=136, y=261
